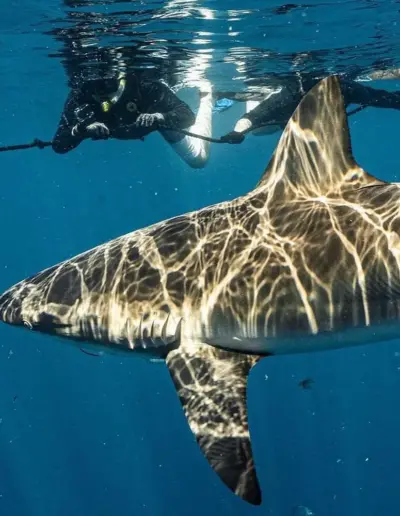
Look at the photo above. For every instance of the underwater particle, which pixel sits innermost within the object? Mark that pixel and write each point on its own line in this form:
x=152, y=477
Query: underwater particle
x=302, y=510
x=306, y=383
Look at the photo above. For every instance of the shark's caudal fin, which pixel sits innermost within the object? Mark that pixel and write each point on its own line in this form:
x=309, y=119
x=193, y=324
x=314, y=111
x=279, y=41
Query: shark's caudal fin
x=314, y=155
x=212, y=386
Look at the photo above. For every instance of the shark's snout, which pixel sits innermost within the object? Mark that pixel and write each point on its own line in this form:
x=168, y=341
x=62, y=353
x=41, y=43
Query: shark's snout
x=20, y=306
x=11, y=307
x=30, y=302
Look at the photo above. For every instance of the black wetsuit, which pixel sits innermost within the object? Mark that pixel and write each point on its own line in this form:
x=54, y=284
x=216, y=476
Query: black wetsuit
x=139, y=96
x=279, y=107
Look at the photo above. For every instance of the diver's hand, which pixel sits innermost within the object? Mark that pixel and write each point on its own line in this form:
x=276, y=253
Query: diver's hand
x=232, y=137
x=149, y=119
x=98, y=130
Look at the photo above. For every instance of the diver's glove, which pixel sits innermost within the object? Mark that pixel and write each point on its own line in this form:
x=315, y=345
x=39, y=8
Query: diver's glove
x=98, y=131
x=149, y=119
x=232, y=137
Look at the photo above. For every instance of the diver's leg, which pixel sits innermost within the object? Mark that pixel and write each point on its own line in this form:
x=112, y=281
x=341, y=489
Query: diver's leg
x=195, y=151
x=377, y=75
x=357, y=93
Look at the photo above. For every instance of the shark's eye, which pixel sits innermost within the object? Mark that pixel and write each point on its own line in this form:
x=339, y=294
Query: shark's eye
x=27, y=324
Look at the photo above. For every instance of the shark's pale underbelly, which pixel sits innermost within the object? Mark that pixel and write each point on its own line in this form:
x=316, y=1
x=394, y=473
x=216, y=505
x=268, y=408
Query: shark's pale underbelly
x=294, y=342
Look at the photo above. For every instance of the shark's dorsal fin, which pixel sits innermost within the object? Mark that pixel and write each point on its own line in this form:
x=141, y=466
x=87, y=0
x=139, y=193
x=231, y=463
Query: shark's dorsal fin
x=314, y=155
x=212, y=386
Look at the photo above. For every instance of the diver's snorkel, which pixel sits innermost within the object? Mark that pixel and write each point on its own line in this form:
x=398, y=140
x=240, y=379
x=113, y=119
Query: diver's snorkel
x=107, y=104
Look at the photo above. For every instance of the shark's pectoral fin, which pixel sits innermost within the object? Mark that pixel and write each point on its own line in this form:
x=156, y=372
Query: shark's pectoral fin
x=212, y=386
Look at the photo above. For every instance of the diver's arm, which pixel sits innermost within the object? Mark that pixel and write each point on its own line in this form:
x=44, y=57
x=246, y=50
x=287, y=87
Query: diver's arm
x=176, y=113
x=271, y=114
x=261, y=115
x=71, y=130
x=248, y=122
x=274, y=111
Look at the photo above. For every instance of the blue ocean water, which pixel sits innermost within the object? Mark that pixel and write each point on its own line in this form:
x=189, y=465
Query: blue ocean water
x=83, y=435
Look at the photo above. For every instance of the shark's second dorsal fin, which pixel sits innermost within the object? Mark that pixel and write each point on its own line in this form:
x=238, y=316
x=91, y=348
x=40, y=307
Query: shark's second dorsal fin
x=314, y=155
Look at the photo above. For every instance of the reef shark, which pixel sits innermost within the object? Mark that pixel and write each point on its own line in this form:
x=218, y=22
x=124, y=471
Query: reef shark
x=308, y=260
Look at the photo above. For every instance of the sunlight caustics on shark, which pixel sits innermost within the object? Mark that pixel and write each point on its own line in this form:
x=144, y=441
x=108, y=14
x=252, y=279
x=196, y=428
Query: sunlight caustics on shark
x=309, y=260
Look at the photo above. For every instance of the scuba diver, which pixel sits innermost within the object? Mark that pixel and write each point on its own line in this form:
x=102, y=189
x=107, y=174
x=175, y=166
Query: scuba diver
x=283, y=93
x=131, y=107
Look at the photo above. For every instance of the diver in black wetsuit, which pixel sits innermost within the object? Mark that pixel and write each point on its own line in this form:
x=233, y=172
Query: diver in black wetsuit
x=131, y=107
x=125, y=108
x=283, y=94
